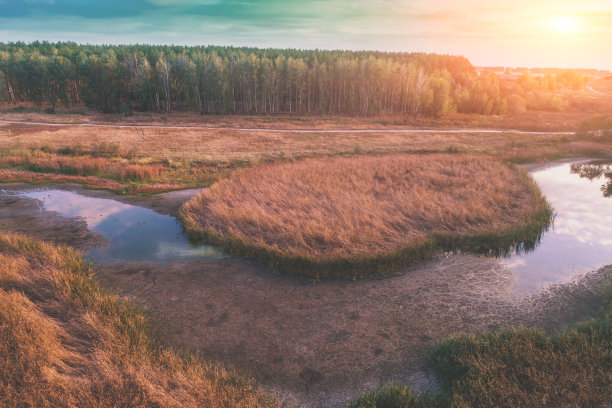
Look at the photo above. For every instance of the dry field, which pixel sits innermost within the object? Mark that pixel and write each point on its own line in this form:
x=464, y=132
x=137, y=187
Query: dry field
x=146, y=158
x=350, y=213
x=67, y=343
x=214, y=146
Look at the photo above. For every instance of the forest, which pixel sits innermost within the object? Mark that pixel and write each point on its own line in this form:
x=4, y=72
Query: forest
x=229, y=80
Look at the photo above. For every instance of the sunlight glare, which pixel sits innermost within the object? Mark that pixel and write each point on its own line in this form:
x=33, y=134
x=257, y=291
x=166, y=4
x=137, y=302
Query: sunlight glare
x=564, y=25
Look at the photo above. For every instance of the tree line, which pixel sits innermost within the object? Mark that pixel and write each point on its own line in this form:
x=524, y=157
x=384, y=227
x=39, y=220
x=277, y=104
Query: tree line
x=226, y=80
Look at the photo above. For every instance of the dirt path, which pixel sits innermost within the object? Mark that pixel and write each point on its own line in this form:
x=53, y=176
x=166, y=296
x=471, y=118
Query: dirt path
x=269, y=130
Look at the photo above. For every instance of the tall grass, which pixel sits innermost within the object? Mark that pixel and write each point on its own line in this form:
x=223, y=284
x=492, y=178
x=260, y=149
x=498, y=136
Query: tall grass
x=83, y=166
x=367, y=215
x=65, y=342
x=517, y=368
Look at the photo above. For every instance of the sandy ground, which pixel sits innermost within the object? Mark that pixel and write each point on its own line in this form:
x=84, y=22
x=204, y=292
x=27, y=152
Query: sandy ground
x=316, y=344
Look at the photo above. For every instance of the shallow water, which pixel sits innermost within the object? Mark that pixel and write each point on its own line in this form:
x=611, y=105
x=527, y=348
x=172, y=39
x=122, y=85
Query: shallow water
x=135, y=233
x=580, y=239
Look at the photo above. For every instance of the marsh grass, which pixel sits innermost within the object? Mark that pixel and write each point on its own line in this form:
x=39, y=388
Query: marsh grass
x=120, y=170
x=369, y=215
x=519, y=367
x=65, y=342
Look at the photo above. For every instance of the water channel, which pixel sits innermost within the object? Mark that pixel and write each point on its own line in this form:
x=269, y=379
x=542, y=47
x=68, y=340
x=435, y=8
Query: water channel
x=579, y=241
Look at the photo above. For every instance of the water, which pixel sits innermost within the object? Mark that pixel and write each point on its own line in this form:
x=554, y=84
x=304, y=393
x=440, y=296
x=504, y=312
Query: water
x=136, y=234
x=581, y=237
x=579, y=241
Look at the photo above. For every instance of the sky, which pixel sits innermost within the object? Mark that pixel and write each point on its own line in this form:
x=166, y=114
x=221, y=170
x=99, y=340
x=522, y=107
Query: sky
x=531, y=33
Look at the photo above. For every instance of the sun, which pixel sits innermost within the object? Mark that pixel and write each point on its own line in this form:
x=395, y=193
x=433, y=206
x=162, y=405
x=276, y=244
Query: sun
x=564, y=24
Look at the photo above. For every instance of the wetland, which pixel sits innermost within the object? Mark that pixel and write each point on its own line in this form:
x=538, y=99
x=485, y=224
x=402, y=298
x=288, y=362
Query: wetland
x=320, y=344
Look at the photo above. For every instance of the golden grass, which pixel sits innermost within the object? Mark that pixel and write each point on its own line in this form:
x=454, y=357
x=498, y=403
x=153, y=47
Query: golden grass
x=83, y=166
x=364, y=208
x=189, y=158
x=67, y=343
x=226, y=146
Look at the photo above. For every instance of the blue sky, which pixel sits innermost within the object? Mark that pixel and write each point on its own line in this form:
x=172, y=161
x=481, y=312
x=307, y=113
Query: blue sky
x=563, y=33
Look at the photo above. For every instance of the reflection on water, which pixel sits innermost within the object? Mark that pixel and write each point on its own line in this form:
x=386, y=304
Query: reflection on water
x=136, y=233
x=596, y=170
x=581, y=237
x=579, y=241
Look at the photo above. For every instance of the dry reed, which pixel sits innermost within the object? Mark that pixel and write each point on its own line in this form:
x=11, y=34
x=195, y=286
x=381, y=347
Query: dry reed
x=83, y=166
x=67, y=343
x=364, y=208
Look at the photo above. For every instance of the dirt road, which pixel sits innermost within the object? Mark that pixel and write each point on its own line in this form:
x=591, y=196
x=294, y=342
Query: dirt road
x=273, y=130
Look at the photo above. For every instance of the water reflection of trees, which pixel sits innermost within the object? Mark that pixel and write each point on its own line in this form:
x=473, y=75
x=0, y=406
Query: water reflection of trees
x=596, y=170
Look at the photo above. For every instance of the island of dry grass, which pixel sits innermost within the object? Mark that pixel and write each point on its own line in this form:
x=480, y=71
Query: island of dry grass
x=65, y=342
x=369, y=215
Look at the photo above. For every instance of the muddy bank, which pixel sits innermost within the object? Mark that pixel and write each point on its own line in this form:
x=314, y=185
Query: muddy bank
x=19, y=214
x=167, y=203
x=320, y=345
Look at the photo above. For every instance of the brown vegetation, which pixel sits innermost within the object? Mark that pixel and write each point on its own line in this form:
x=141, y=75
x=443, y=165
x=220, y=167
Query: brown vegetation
x=83, y=166
x=520, y=367
x=196, y=157
x=65, y=342
x=8, y=176
x=363, y=208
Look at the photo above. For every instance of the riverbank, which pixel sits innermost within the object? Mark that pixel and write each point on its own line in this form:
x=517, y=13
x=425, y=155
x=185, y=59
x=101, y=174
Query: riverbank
x=323, y=344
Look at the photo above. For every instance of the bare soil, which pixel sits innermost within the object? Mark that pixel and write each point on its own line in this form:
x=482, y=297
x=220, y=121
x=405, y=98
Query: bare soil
x=317, y=344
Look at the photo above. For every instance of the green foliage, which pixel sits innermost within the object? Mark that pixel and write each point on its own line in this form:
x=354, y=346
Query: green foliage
x=106, y=150
x=3, y=87
x=221, y=80
x=228, y=80
x=75, y=150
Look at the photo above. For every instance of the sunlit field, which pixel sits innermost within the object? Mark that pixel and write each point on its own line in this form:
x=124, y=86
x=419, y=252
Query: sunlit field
x=314, y=216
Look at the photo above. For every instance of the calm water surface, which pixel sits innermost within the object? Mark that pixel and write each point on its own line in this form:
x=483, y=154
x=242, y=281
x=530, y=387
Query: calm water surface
x=136, y=233
x=581, y=237
x=579, y=241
